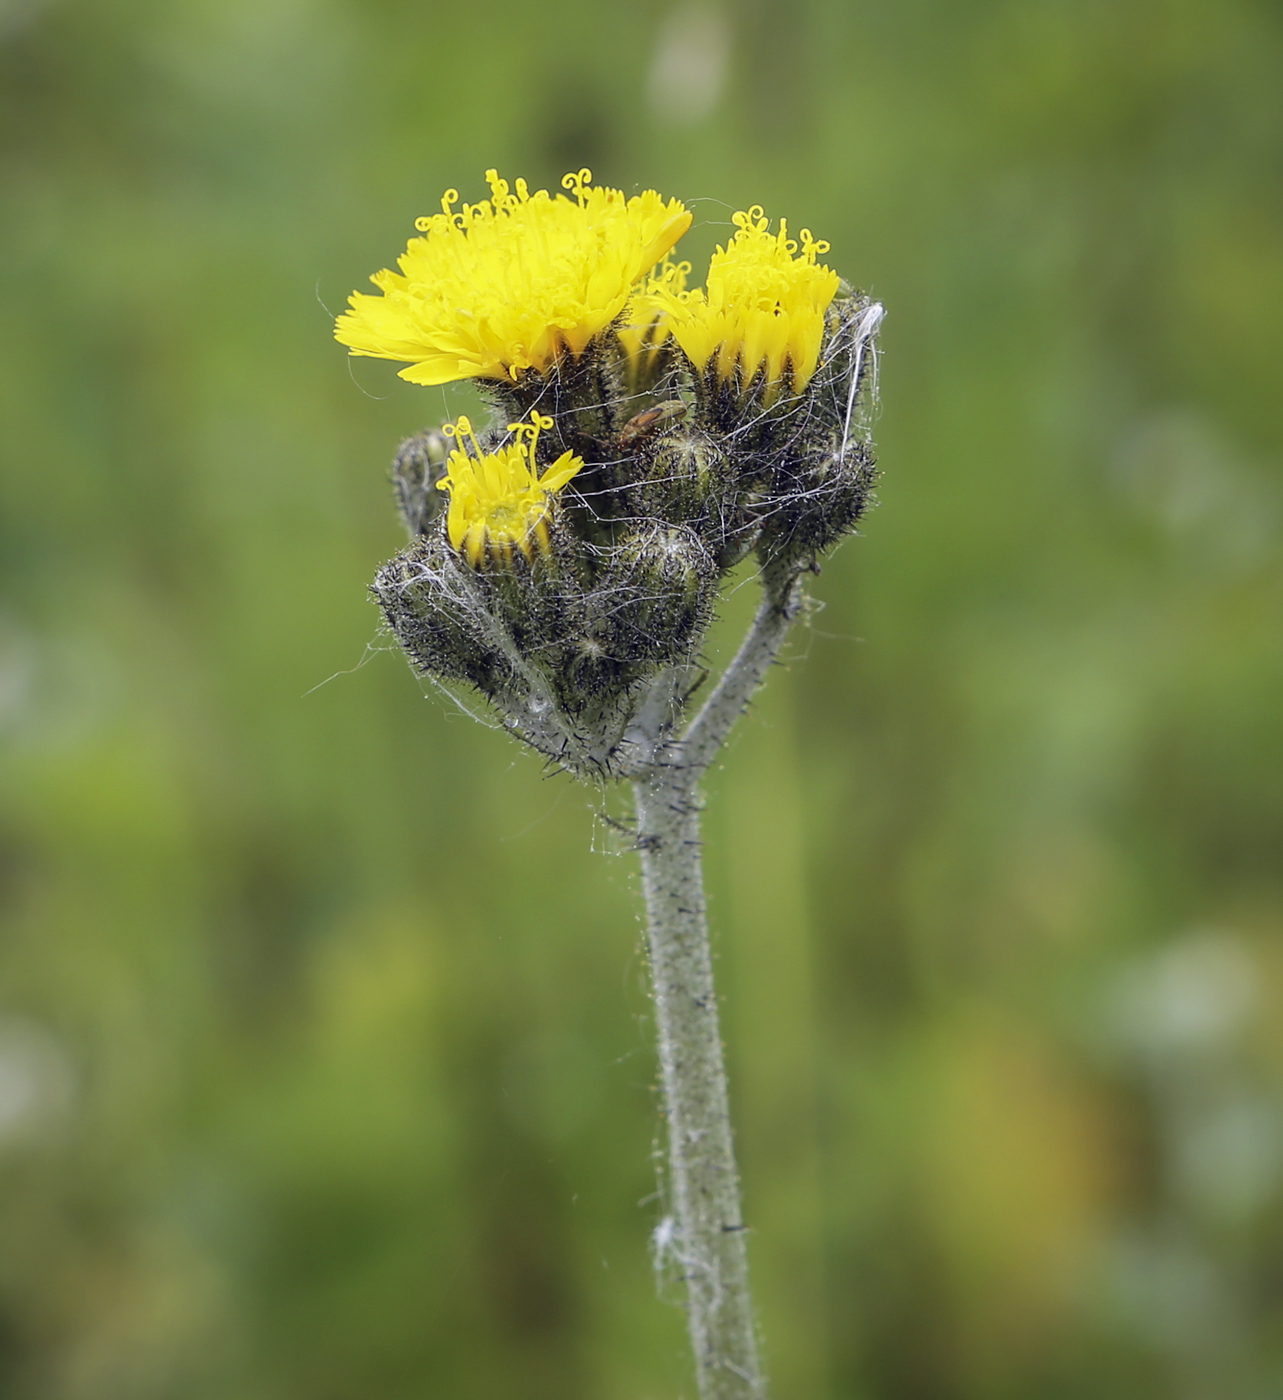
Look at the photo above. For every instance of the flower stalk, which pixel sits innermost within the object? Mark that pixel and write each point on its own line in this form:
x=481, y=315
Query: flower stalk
x=705, y=1233
x=707, y=1230
x=567, y=566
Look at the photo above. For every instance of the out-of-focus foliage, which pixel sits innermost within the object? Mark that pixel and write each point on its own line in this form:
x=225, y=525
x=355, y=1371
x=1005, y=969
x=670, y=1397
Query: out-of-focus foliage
x=324, y=1066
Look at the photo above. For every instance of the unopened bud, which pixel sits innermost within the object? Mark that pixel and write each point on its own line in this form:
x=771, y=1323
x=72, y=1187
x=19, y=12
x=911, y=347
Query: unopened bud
x=658, y=595
x=437, y=612
x=815, y=500
x=419, y=464
x=684, y=479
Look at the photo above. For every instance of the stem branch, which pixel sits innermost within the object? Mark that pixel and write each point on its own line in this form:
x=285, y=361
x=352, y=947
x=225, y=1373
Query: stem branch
x=707, y=732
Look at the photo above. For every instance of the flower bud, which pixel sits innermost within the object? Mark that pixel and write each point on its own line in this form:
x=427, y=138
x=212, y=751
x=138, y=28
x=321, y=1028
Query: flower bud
x=815, y=500
x=820, y=477
x=436, y=609
x=418, y=466
x=655, y=599
x=683, y=477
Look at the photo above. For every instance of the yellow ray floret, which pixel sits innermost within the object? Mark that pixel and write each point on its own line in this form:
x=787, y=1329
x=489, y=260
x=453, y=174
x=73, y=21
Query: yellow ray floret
x=763, y=307
x=498, y=499
x=513, y=282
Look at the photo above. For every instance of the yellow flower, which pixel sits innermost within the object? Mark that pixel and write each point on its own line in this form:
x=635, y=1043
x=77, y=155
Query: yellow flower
x=763, y=308
x=513, y=282
x=498, y=499
x=643, y=335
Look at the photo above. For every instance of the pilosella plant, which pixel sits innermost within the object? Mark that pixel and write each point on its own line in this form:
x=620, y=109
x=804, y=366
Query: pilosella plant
x=564, y=560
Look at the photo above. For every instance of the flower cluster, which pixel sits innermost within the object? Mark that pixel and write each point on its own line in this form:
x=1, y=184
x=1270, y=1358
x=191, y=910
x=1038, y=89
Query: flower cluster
x=566, y=564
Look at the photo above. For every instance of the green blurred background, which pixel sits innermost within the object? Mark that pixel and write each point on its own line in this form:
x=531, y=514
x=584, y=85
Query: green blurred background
x=325, y=1067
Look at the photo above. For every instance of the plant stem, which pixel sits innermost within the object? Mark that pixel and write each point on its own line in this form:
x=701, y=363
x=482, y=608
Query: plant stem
x=708, y=731
x=709, y=1238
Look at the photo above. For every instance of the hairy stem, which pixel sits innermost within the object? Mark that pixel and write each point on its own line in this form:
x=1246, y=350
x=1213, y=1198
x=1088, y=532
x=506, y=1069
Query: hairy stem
x=761, y=645
x=706, y=1233
x=707, y=1230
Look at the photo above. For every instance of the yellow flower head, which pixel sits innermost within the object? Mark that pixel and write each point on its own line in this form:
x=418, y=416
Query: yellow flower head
x=498, y=499
x=763, y=308
x=513, y=282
